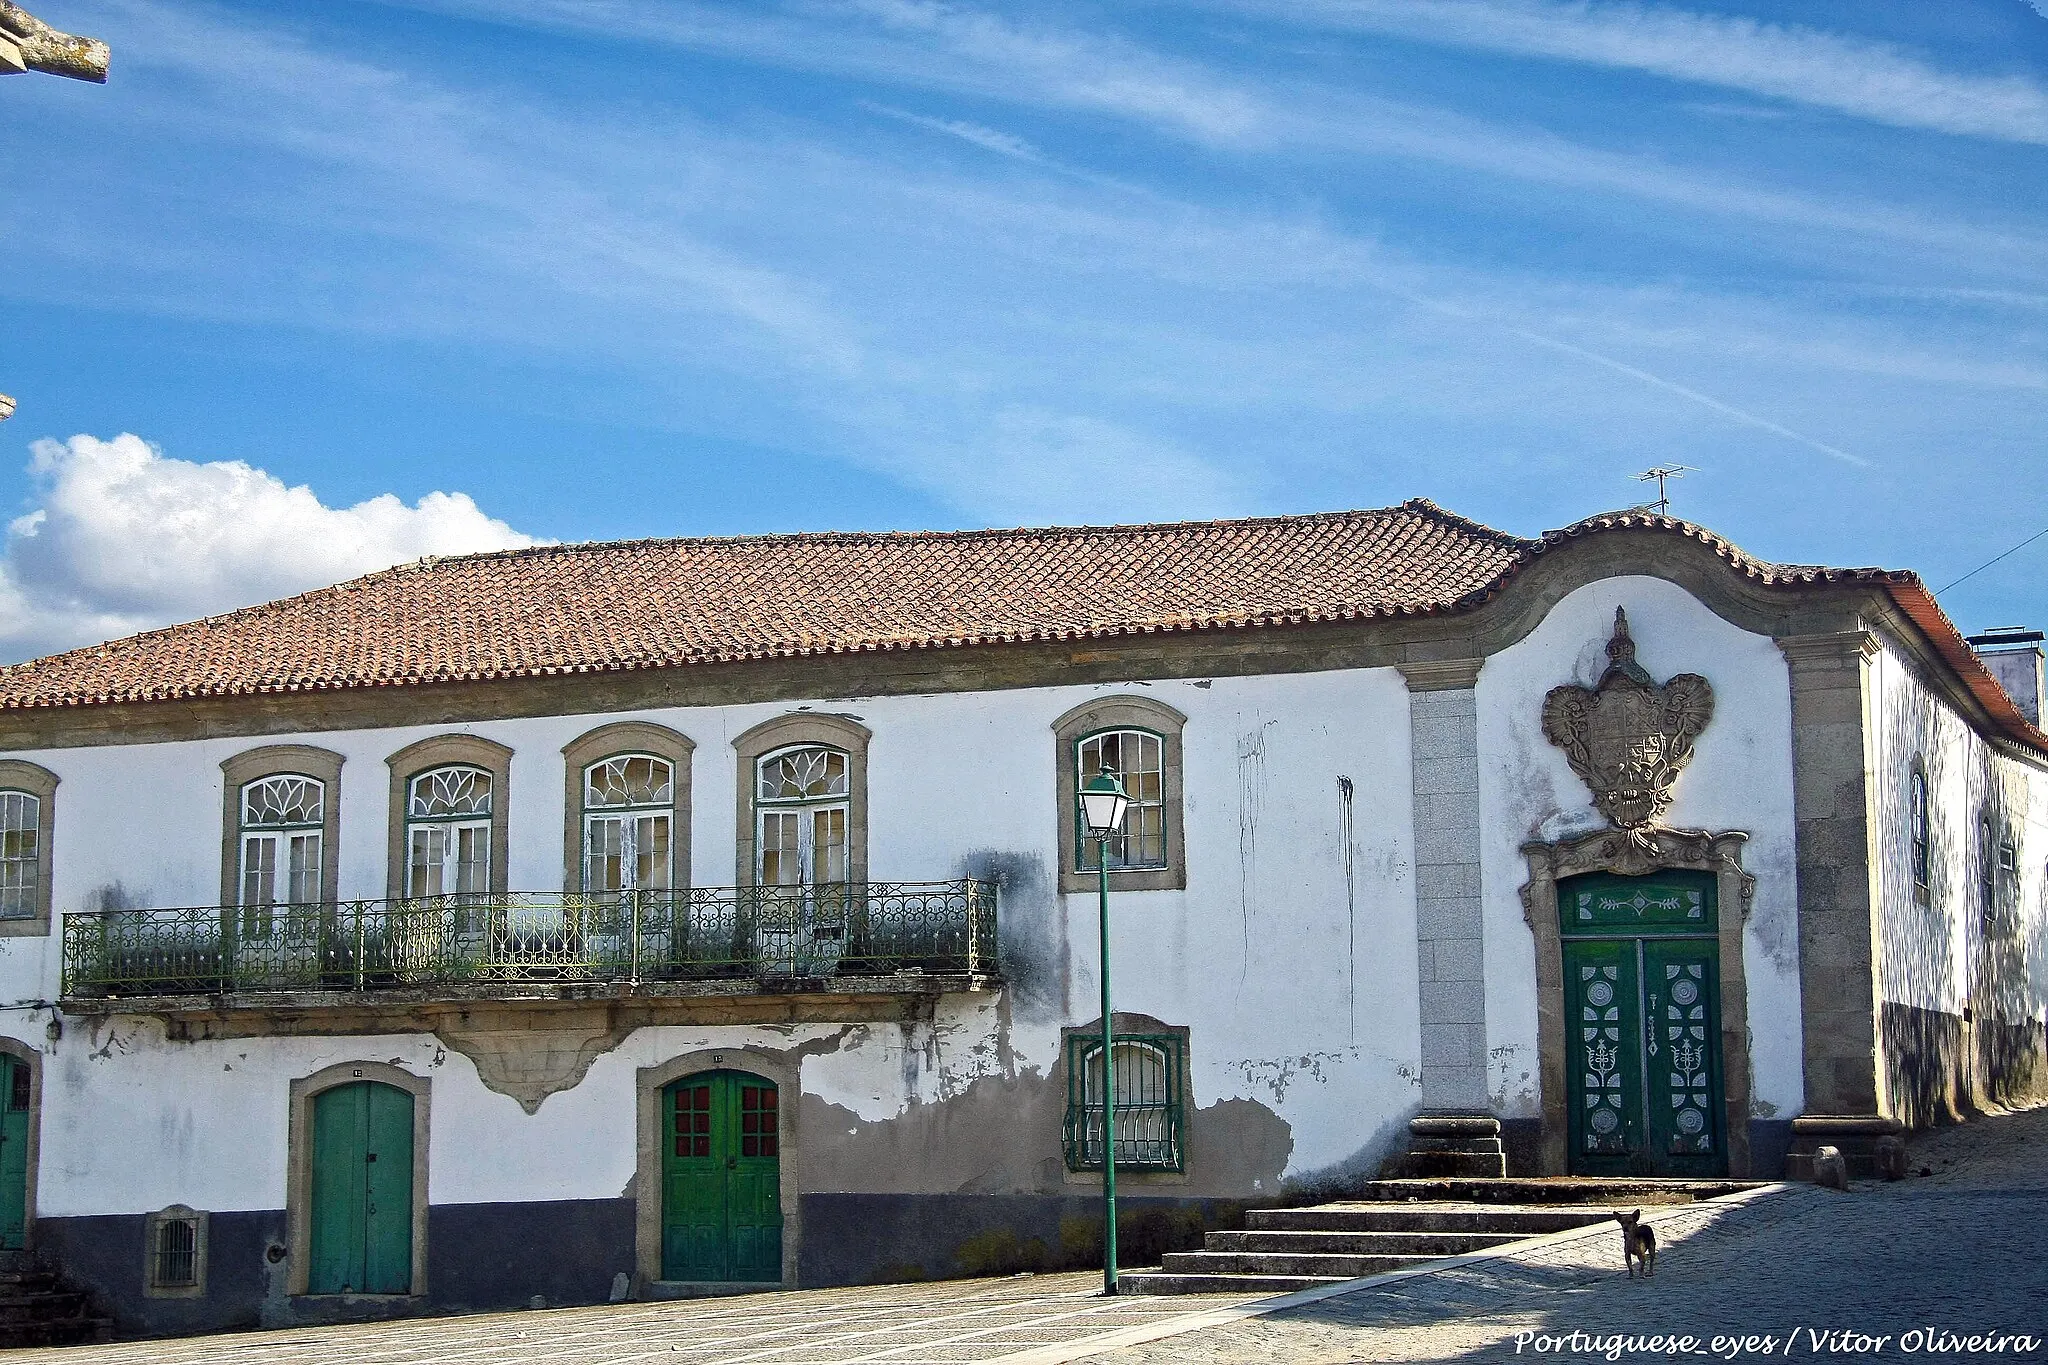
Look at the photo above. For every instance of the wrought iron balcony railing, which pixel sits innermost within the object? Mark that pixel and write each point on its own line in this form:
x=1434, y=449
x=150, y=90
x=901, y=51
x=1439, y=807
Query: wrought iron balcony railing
x=700, y=934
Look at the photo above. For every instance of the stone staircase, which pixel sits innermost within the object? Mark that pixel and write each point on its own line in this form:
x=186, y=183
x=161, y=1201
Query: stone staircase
x=37, y=1309
x=1397, y=1225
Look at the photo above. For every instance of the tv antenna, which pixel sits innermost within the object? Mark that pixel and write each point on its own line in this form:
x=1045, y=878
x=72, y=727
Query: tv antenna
x=1662, y=506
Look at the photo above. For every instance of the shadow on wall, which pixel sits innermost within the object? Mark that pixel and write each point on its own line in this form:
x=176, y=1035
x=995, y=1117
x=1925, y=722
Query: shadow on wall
x=1031, y=931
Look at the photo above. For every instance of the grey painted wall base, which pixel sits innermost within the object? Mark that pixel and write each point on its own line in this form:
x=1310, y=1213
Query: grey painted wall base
x=879, y=1238
x=1769, y=1140
x=483, y=1257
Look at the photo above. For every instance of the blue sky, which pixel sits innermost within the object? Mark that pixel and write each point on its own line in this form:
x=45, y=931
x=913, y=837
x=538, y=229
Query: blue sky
x=595, y=269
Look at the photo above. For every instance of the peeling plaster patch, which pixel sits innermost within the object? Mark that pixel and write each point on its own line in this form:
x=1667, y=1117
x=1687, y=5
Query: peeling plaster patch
x=1278, y=1073
x=1513, y=1089
x=1333, y=1180
x=1762, y=1109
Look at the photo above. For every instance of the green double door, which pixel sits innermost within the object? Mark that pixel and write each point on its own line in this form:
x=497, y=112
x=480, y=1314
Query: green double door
x=362, y=1190
x=721, y=1179
x=17, y=1089
x=1643, y=1061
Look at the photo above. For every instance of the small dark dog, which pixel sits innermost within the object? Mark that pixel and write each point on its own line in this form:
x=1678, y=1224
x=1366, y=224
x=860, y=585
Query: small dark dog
x=1638, y=1244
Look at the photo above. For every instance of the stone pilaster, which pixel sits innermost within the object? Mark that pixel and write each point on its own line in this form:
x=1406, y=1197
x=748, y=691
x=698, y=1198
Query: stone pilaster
x=1833, y=792
x=1456, y=1134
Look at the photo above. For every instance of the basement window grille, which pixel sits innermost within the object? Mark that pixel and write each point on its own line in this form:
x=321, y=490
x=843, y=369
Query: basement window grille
x=1150, y=1074
x=174, y=1246
x=177, y=1253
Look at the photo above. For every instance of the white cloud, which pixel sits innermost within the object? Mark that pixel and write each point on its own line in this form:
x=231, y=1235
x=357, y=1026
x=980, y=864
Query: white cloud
x=125, y=539
x=1882, y=82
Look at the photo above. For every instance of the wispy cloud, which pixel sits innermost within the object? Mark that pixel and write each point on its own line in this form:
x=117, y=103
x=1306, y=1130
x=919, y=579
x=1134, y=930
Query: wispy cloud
x=988, y=139
x=1879, y=81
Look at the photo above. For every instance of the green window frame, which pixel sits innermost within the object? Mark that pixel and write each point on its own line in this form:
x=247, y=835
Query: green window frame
x=1920, y=834
x=1144, y=843
x=1151, y=1102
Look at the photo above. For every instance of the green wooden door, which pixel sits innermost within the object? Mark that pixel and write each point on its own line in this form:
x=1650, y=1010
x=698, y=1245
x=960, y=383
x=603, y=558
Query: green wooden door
x=721, y=1213
x=362, y=1190
x=16, y=1081
x=1643, y=1025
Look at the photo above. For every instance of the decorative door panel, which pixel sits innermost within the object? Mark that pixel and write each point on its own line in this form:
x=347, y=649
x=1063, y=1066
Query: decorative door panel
x=1683, y=1063
x=15, y=1092
x=1603, y=1055
x=722, y=1179
x=1643, y=1024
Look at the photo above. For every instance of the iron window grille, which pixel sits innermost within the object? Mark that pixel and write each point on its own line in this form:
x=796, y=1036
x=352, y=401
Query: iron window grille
x=1137, y=758
x=174, y=1259
x=1151, y=1100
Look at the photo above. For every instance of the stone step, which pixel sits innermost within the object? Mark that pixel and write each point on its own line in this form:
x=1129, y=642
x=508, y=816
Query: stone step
x=1159, y=1282
x=1297, y=1242
x=1622, y=1192
x=1510, y=1222
x=1264, y=1264
x=70, y=1331
x=16, y=1308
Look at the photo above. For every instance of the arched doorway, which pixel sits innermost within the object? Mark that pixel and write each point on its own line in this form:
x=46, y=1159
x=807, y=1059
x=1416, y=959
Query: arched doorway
x=17, y=1102
x=361, y=1207
x=721, y=1178
x=1643, y=1059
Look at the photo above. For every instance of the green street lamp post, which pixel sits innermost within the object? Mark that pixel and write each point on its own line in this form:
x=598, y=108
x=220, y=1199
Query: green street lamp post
x=1103, y=803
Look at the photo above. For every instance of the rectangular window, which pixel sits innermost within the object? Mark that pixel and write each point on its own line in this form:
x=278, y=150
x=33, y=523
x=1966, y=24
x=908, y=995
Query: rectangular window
x=1137, y=760
x=19, y=853
x=447, y=859
x=1150, y=1076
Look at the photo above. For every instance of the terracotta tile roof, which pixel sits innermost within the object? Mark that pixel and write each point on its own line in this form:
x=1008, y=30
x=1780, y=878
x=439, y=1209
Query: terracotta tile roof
x=622, y=605
x=662, y=603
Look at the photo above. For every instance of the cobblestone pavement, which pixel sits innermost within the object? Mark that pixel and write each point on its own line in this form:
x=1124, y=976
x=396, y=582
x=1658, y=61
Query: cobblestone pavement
x=1962, y=1250
x=958, y=1320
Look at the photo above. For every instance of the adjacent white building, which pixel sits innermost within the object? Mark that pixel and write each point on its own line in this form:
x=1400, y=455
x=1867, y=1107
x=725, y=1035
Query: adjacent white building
x=663, y=916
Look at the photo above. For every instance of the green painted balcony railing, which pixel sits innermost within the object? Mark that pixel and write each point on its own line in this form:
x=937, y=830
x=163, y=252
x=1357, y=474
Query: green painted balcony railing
x=699, y=934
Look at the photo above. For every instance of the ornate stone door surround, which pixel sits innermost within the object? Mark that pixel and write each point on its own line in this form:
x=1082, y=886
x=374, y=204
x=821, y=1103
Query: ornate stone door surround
x=1614, y=851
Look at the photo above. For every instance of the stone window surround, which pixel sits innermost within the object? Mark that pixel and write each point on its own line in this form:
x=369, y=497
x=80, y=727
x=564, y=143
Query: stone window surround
x=175, y=1213
x=20, y=775
x=648, y=1084
x=277, y=760
x=299, y=1169
x=1120, y=712
x=612, y=741
x=1125, y=1022
x=803, y=727
x=1611, y=851
x=23, y=1052
x=440, y=751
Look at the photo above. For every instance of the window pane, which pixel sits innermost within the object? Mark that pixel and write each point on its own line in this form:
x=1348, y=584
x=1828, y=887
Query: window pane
x=305, y=869
x=18, y=854
x=1137, y=760
x=604, y=842
x=650, y=853
x=429, y=851
x=828, y=844
x=780, y=862
x=473, y=852
x=259, y=869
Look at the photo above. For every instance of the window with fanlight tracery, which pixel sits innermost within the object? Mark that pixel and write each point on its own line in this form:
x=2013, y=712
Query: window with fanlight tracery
x=283, y=845
x=448, y=832
x=802, y=800
x=628, y=820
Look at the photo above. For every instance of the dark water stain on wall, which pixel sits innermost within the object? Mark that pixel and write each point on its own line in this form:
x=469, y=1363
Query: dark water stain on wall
x=1031, y=931
x=1002, y=1135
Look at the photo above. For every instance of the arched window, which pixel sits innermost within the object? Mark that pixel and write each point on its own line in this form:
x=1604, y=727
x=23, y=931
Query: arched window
x=628, y=818
x=1921, y=834
x=448, y=832
x=802, y=800
x=1137, y=759
x=1150, y=1081
x=283, y=825
x=21, y=857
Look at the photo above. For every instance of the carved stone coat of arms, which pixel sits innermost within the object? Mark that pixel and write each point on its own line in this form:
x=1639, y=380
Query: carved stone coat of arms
x=1626, y=736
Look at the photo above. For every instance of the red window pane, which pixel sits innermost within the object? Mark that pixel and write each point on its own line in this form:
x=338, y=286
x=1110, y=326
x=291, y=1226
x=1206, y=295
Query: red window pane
x=768, y=1145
